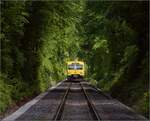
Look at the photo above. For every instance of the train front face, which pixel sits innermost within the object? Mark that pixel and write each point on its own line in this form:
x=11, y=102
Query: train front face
x=75, y=69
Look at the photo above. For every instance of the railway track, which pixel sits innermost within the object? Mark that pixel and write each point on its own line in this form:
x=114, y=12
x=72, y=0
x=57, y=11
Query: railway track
x=91, y=106
x=77, y=101
x=60, y=115
x=60, y=109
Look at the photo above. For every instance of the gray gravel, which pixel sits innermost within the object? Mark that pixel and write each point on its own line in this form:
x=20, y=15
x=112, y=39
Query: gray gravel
x=76, y=107
x=45, y=109
x=111, y=109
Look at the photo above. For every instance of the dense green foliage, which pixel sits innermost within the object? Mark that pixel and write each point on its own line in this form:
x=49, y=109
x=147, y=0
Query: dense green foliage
x=12, y=86
x=37, y=38
x=116, y=49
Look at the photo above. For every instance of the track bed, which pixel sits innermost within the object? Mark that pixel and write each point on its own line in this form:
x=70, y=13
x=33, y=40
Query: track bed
x=76, y=105
x=75, y=101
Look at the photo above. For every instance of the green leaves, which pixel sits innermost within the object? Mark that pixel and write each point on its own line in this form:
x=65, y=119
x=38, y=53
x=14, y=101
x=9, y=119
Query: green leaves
x=130, y=53
x=101, y=44
x=39, y=36
x=114, y=45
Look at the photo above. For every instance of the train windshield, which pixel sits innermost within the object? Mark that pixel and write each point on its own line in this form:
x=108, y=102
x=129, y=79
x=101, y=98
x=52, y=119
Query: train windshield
x=71, y=67
x=79, y=66
x=75, y=66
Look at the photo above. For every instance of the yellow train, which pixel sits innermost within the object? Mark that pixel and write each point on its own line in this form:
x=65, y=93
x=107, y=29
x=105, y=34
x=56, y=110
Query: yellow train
x=75, y=69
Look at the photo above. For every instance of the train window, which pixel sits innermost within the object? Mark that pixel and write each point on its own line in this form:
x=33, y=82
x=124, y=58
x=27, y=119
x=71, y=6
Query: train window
x=71, y=66
x=75, y=66
x=79, y=66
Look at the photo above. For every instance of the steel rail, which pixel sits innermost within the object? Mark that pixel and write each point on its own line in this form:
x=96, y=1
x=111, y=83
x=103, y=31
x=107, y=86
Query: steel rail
x=60, y=108
x=99, y=91
x=91, y=106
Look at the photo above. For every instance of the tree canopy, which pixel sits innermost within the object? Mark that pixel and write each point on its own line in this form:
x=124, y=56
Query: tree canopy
x=38, y=37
